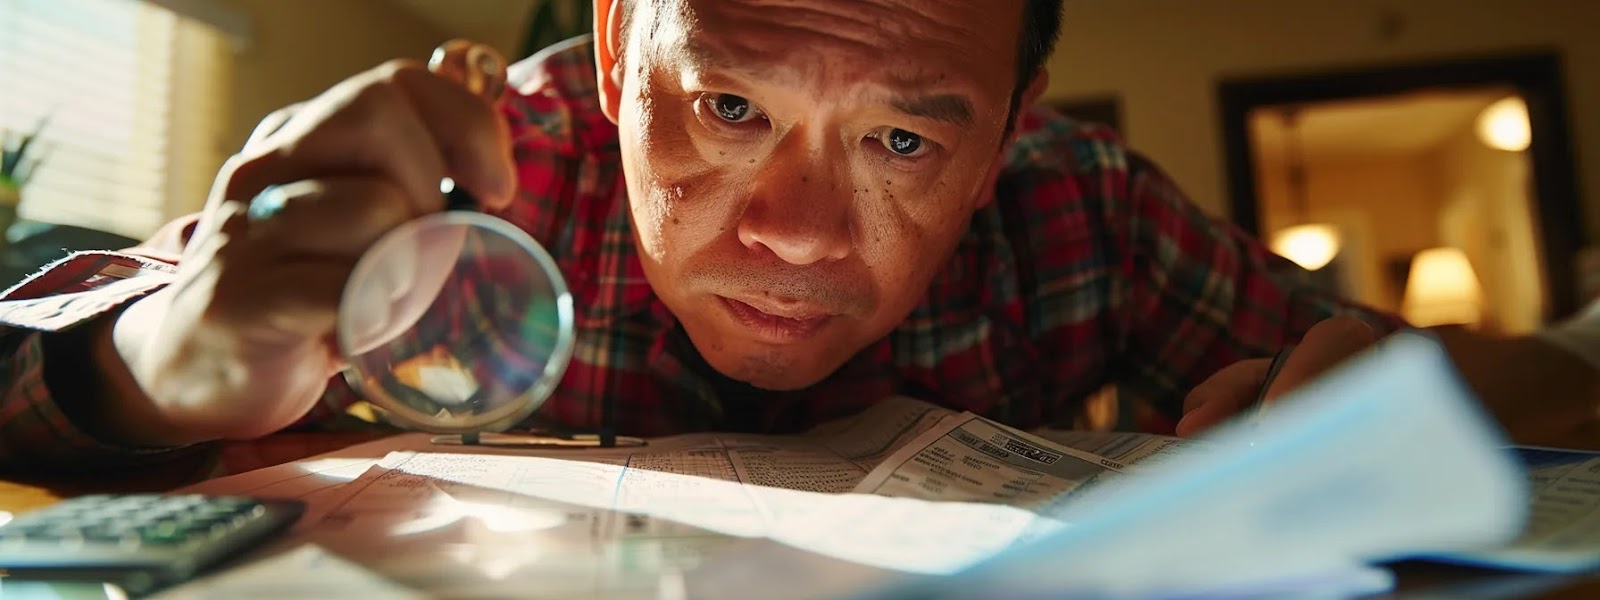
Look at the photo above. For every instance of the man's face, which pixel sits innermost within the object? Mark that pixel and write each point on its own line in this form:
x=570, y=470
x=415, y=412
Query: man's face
x=800, y=170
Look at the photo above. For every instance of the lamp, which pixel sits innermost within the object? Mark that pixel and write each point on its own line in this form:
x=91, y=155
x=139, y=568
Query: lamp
x=1310, y=245
x=1504, y=125
x=1442, y=289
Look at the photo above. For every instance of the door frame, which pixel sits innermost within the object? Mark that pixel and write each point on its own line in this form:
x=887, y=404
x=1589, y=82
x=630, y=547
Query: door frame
x=1536, y=76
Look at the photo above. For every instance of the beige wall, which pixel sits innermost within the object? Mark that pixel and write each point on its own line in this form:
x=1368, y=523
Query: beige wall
x=1384, y=207
x=202, y=105
x=1487, y=213
x=298, y=48
x=499, y=23
x=1165, y=57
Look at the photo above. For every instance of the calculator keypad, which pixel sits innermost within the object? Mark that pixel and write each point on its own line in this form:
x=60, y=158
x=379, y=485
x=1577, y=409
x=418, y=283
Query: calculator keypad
x=139, y=542
x=134, y=520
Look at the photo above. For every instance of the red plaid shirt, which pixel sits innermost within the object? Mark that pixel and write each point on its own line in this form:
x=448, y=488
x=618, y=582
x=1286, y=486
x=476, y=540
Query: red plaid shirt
x=1090, y=267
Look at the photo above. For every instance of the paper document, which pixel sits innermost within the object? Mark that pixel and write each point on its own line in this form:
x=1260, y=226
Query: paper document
x=966, y=458
x=1127, y=448
x=1382, y=459
x=1563, y=529
x=1387, y=456
x=461, y=521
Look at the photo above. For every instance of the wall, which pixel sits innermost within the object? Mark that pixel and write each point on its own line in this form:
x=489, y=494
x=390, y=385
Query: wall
x=1165, y=57
x=498, y=23
x=1488, y=213
x=202, y=104
x=298, y=48
x=1384, y=207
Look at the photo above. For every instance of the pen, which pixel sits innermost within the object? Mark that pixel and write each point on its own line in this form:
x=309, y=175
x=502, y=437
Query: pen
x=1272, y=375
x=531, y=440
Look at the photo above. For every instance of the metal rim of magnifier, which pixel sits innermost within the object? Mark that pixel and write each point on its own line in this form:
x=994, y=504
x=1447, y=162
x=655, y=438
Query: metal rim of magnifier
x=554, y=368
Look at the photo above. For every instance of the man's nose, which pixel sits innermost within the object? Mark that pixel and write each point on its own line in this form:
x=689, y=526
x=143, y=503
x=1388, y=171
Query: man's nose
x=800, y=205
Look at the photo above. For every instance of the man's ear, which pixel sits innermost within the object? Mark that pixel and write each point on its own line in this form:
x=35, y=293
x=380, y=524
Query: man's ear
x=607, y=55
x=1030, y=96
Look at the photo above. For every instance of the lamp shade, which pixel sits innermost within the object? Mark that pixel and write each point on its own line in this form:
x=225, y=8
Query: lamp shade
x=1442, y=289
x=1312, y=246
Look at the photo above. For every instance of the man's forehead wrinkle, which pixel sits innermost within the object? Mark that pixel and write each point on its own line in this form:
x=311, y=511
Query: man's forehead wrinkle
x=774, y=55
x=873, y=25
x=898, y=18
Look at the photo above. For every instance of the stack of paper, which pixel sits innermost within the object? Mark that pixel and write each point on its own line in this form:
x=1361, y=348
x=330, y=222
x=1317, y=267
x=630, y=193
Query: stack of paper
x=1387, y=458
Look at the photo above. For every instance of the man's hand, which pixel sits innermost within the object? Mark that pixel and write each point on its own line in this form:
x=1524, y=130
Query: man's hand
x=1540, y=394
x=1234, y=389
x=242, y=344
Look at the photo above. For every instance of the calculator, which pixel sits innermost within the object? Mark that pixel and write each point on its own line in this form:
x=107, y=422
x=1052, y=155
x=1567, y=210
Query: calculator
x=139, y=542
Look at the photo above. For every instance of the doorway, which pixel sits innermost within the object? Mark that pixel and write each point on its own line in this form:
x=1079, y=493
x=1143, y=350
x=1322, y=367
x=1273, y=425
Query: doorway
x=1444, y=192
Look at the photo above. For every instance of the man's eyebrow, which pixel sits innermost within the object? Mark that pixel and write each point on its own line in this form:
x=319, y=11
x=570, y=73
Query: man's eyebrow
x=950, y=108
x=955, y=109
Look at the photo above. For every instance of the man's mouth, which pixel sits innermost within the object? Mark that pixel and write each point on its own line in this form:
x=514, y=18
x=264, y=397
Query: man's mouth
x=778, y=322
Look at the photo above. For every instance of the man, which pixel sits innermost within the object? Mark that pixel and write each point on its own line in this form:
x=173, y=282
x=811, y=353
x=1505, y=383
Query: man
x=770, y=215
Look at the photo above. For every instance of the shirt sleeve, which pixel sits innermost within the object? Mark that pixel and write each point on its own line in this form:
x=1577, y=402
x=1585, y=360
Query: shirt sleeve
x=40, y=403
x=35, y=431
x=1192, y=294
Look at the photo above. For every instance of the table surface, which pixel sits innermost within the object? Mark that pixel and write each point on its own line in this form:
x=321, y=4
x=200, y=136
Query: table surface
x=1416, y=579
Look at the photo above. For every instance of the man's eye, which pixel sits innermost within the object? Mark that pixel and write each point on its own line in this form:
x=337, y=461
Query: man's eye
x=903, y=143
x=731, y=108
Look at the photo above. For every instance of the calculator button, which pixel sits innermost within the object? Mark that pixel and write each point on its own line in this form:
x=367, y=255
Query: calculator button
x=104, y=534
x=55, y=534
x=164, y=534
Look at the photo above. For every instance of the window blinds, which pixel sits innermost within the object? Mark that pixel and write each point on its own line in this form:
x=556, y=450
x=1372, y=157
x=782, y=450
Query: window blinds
x=108, y=75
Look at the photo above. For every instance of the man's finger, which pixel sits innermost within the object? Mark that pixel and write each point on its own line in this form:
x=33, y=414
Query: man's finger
x=272, y=123
x=1325, y=345
x=361, y=126
x=474, y=141
x=332, y=216
x=1222, y=396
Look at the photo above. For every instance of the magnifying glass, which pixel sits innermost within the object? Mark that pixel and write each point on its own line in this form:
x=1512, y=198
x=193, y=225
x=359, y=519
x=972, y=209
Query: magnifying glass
x=459, y=322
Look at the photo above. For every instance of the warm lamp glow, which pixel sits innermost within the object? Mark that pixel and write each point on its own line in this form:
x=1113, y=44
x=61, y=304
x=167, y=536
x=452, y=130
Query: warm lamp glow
x=1442, y=289
x=1310, y=246
x=1504, y=125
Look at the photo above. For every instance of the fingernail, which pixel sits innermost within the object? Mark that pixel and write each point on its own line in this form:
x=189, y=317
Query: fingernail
x=491, y=72
x=436, y=61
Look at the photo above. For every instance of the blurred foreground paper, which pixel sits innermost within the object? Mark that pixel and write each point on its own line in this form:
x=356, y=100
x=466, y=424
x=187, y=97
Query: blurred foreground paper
x=1563, y=531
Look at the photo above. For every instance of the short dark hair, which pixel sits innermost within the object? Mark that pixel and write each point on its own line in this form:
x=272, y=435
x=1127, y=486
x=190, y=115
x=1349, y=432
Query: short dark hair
x=1041, y=27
